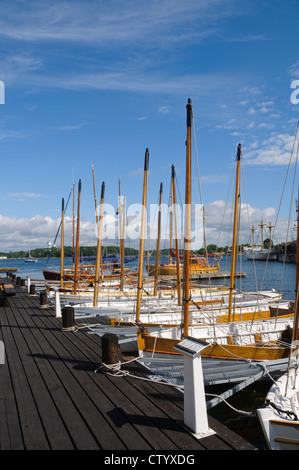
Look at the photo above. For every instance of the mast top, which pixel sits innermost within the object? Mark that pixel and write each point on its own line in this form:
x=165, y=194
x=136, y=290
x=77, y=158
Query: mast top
x=146, y=160
x=172, y=171
x=189, y=112
x=102, y=190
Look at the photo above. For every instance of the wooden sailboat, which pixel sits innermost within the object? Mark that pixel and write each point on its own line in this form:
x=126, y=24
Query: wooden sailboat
x=199, y=320
x=198, y=264
x=85, y=273
x=280, y=417
x=164, y=311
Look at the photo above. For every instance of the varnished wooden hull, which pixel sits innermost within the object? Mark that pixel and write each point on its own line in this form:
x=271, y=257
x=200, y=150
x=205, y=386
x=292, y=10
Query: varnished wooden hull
x=170, y=269
x=233, y=352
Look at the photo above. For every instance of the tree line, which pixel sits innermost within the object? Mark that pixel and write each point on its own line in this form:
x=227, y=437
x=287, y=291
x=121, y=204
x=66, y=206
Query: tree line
x=68, y=252
x=92, y=251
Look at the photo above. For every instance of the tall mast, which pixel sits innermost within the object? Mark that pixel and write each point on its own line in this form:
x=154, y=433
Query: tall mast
x=142, y=233
x=77, y=240
x=262, y=233
x=95, y=195
x=270, y=234
x=62, y=245
x=99, y=253
x=121, y=238
x=187, y=234
x=171, y=217
x=234, y=245
x=296, y=316
x=178, y=269
x=158, y=241
x=73, y=222
x=252, y=230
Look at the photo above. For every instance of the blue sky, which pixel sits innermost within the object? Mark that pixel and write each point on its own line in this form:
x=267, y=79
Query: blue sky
x=97, y=82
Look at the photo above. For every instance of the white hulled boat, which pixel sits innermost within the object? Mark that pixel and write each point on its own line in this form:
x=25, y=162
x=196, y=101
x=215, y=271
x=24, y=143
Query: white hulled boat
x=280, y=417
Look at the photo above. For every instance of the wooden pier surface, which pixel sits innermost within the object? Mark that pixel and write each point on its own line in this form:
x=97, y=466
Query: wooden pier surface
x=51, y=398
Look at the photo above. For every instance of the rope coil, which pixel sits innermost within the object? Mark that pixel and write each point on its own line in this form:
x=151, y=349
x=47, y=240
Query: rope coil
x=112, y=369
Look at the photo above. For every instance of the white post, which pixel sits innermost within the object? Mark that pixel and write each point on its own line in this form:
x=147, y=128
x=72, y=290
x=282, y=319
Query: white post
x=195, y=408
x=57, y=304
x=28, y=284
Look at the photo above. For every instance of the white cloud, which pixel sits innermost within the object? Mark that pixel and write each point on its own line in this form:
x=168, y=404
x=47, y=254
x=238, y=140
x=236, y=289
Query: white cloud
x=266, y=125
x=276, y=150
x=113, y=21
x=219, y=219
x=8, y=134
x=164, y=109
x=294, y=70
x=19, y=233
x=25, y=195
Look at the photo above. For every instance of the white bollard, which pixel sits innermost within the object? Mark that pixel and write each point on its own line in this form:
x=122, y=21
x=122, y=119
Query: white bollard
x=28, y=285
x=57, y=304
x=195, y=409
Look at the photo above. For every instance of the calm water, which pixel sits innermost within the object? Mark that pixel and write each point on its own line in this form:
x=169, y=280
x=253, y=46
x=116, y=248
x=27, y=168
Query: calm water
x=260, y=275
x=34, y=270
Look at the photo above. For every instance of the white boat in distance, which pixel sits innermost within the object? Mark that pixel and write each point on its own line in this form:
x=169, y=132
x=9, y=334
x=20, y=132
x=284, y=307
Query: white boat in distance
x=259, y=254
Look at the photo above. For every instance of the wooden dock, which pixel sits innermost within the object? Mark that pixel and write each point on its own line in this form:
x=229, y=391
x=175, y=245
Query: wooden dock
x=52, y=399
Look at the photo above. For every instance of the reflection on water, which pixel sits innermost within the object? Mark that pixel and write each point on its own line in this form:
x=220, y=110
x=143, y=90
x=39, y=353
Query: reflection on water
x=249, y=399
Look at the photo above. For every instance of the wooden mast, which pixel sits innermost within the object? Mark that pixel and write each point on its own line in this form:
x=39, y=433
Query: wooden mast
x=171, y=217
x=262, y=233
x=252, y=230
x=95, y=195
x=296, y=316
x=99, y=253
x=235, y=229
x=121, y=238
x=142, y=233
x=158, y=241
x=187, y=229
x=178, y=269
x=270, y=226
x=62, y=245
x=77, y=240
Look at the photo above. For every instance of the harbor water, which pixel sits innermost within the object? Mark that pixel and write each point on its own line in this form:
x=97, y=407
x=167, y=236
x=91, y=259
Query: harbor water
x=260, y=275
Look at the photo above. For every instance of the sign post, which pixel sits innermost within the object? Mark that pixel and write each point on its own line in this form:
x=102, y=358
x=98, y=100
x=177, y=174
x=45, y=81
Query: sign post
x=195, y=409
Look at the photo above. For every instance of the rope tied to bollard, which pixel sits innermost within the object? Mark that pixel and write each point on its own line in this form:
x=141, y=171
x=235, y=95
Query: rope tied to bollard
x=112, y=369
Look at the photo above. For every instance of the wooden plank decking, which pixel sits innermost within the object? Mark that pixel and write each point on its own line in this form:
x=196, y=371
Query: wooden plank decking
x=52, y=399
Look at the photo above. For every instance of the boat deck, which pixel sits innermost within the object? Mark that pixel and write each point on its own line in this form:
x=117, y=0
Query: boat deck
x=51, y=398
